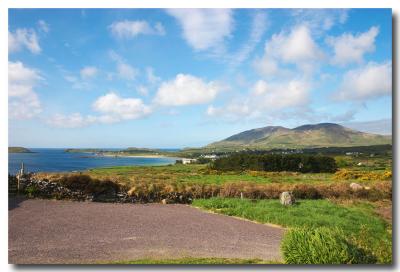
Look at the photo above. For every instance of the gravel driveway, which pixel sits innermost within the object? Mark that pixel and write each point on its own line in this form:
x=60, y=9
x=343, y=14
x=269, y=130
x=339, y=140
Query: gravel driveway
x=50, y=231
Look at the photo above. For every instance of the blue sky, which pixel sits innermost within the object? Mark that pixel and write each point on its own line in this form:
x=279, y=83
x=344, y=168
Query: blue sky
x=180, y=78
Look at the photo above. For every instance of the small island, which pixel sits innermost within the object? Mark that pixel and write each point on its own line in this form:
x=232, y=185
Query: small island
x=18, y=149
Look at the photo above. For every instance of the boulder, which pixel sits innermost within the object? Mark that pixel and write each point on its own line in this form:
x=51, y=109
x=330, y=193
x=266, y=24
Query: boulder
x=287, y=198
x=355, y=186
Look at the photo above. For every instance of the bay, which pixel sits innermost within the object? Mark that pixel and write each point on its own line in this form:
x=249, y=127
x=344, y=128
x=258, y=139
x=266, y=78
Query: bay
x=57, y=160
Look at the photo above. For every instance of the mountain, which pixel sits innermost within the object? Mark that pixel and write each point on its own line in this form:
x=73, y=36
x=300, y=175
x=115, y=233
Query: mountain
x=305, y=136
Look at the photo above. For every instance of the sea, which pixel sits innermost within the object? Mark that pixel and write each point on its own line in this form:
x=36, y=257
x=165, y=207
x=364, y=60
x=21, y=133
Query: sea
x=57, y=160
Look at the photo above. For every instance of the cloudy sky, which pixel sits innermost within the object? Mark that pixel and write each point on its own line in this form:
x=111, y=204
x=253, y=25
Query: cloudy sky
x=187, y=77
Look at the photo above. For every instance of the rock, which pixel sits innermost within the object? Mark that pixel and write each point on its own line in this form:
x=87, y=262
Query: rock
x=164, y=201
x=355, y=186
x=287, y=198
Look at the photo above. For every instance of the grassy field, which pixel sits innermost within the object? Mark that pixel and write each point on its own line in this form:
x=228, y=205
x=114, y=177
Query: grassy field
x=199, y=174
x=358, y=220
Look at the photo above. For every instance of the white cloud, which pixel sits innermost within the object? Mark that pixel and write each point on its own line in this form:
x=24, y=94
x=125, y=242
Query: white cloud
x=372, y=80
x=259, y=25
x=130, y=29
x=88, y=72
x=297, y=47
x=77, y=83
x=23, y=101
x=75, y=120
x=151, y=77
x=294, y=93
x=23, y=38
x=265, y=99
x=233, y=111
x=204, y=28
x=320, y=20
x=381, y=126
x=260, y=87
x=351, y=48
x=186, y=90
x=124, y=70
x=117, y=108
x=43, y=26
x=143, y=90
x=111, y=108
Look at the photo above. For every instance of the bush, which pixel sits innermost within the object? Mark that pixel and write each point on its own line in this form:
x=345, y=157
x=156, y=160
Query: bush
x=86, y=184
x=274, y=162
x=345, y=174
x=31, y=191
x=321, y=246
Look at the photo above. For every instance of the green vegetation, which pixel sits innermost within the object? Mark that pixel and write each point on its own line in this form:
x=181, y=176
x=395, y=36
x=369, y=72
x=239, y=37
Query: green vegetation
x=276, y=163
x=18, y=149
x=201, y=175
x=321, y=246
x=359, y=222
x=196, y=261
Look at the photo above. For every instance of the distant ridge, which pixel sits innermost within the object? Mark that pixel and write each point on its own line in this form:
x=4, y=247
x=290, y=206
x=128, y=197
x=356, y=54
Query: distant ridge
x=305, y=136
x=18, y=149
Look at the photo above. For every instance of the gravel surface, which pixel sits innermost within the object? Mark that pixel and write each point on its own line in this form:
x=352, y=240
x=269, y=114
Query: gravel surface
x=62, y=232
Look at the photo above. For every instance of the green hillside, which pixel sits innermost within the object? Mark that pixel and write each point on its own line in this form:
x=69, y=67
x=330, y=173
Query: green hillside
x=306, y=136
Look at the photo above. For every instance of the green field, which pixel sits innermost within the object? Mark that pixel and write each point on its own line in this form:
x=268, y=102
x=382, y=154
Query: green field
x=199, y=174
x=359, y=221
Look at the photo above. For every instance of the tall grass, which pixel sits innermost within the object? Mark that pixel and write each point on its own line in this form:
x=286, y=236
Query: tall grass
x=321, y=246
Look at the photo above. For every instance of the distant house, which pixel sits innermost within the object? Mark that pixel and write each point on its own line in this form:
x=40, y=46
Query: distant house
x=211, y=156
x=188, y=161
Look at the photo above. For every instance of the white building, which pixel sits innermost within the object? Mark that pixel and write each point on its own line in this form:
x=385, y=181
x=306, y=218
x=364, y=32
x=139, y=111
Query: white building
x=188, y=161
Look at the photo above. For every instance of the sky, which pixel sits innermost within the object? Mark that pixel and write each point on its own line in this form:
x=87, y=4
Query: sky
x=174, y=78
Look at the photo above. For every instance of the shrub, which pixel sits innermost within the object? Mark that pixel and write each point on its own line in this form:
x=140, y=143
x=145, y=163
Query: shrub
x=321, y=246
x=87, y=184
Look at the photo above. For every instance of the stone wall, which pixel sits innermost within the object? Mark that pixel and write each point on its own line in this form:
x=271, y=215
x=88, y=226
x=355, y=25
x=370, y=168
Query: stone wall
x=99, y=191
x=42, y=188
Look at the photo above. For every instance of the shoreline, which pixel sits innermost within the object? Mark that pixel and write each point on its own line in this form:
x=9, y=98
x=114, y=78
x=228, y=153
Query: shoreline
x=137, y=156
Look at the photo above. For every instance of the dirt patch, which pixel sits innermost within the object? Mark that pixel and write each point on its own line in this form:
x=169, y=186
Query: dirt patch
x=384, y=209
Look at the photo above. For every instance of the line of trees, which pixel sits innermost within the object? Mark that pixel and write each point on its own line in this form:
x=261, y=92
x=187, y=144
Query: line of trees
x=276, y=162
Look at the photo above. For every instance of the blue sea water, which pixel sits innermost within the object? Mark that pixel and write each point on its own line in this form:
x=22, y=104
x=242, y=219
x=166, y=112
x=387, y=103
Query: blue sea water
x=57, y=160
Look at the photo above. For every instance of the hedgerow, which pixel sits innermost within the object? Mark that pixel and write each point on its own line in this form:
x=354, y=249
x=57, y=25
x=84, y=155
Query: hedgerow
x=274, y=162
